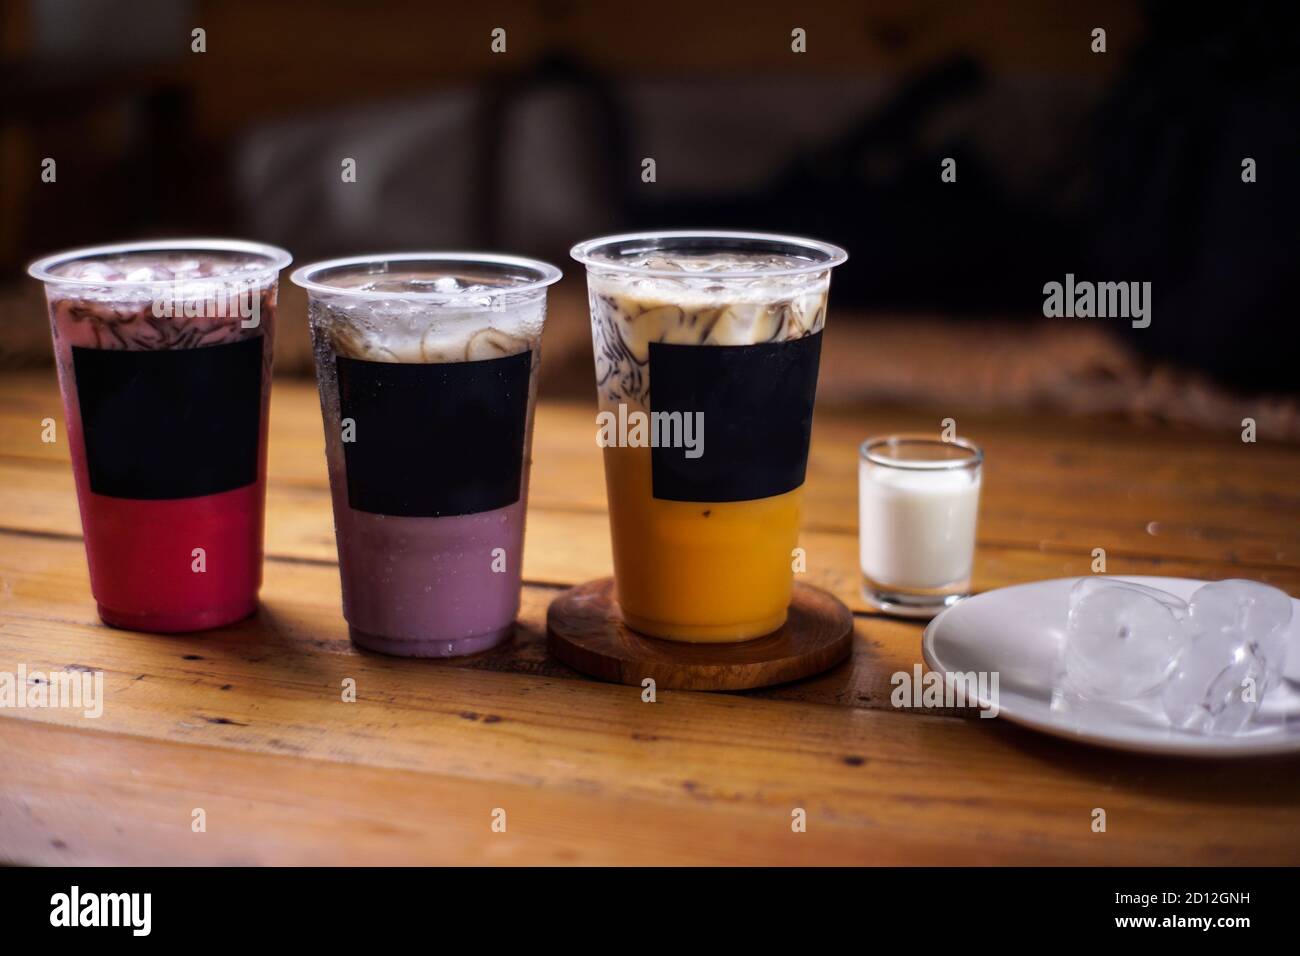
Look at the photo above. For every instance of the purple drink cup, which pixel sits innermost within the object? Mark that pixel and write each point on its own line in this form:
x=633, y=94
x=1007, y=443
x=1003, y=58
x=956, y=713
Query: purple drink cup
x=427, y=367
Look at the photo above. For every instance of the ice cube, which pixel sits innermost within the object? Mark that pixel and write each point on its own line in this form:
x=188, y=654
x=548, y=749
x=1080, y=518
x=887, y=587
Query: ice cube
x=439, y=344
x=1261, y=614
x=1121, y=639
x=155, y=272
x=90, y=269
x=182, y=268
x=1217, y=684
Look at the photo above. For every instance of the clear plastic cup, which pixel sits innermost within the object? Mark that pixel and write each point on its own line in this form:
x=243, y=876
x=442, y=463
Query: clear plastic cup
x=164, y=360
x=707, y=347
x=427, y=365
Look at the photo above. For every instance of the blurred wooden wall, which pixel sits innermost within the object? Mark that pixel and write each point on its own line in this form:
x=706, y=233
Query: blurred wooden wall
x=269, y=57
x=280, y=58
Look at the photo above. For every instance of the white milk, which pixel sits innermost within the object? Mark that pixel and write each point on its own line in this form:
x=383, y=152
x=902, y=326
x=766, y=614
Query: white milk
x=916, y=527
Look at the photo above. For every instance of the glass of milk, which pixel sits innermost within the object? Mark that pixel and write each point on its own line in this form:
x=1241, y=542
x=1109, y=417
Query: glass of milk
x=917, y=503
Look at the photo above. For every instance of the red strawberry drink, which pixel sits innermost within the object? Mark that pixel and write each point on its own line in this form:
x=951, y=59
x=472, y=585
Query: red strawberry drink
x=164, y=360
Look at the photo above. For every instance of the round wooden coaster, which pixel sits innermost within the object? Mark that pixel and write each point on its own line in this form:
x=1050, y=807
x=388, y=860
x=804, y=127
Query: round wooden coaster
x=585, y=629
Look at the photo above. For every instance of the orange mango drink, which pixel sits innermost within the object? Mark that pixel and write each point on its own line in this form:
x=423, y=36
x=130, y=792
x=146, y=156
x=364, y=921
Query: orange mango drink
x=706, y=348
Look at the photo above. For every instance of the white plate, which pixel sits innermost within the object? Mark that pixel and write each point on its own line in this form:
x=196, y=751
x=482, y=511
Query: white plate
x=1018, y=632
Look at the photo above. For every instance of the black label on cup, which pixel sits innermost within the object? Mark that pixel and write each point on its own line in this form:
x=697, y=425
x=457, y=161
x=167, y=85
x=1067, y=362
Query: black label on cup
x=444, y=438
x=755, y=403
x=172, y=423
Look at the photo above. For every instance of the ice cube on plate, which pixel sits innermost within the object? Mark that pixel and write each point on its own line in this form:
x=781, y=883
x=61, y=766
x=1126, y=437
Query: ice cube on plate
x=1121, y=639
x=1259, y=613
x=1217, y=683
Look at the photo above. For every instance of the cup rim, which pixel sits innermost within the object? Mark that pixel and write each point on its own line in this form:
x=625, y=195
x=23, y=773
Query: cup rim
x=305, y=275
x=585, y=252
x=41, y=268
x=973, y=459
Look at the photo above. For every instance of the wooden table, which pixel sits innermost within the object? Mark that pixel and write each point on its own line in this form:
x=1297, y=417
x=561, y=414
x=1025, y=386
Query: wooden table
x=249, y=724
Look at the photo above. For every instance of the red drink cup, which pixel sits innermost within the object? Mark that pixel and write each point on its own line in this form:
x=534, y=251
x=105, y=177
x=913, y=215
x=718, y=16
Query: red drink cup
x=164, y=358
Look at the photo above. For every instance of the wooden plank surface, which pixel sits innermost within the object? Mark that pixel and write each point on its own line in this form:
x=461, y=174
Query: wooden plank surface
x=249, y=724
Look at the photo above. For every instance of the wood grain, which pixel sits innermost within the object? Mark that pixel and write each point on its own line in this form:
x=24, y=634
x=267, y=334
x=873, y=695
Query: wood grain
x=249, y=723
x=242, y=718
x=1158, y=501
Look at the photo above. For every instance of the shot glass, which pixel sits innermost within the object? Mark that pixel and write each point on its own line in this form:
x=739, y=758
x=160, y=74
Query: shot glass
x=427, y=365
x=918, y=502
x=707, y=347
x=164, y=360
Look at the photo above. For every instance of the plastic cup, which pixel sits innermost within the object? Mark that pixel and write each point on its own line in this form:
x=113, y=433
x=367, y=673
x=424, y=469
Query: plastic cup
x=707, y=346
x=427, y=365
x=164, y=361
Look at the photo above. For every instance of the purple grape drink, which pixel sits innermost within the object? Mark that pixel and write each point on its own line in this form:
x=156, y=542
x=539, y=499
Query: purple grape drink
x=427, y=367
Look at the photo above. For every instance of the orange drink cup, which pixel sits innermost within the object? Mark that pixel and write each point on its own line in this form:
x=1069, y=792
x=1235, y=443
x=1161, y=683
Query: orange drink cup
x=706, y=347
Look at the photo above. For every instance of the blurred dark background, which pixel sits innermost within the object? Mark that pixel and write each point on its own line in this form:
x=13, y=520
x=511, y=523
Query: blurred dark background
x=1118, y=166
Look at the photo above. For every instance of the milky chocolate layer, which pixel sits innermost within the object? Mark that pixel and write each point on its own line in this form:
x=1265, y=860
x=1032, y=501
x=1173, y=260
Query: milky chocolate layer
x=410, y=332
x=145, y=325
x=629, y=312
